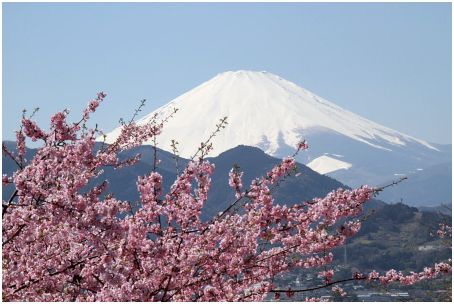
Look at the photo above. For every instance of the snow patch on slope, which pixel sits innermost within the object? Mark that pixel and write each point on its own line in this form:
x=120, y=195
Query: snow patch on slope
x=325, y=164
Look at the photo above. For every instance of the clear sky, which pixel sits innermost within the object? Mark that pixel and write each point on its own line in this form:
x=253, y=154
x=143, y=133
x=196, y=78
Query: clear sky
x=390, y=63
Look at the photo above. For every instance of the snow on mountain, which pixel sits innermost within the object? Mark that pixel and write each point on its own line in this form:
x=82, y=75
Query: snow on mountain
x=262, y=109
x=325, y=164
x=269, y=112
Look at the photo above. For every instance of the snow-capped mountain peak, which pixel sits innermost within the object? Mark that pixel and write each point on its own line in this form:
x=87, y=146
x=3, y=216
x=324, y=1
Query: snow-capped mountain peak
x=266, y=111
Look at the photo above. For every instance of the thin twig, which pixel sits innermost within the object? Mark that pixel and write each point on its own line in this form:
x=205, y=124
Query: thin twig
x=320, y=286
x=14, y=235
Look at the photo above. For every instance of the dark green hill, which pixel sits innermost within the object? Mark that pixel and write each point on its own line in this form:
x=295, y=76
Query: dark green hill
x=397, y=236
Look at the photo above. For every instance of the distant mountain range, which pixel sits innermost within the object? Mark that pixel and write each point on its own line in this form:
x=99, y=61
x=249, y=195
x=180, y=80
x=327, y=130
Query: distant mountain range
x=273, y=114
x=251, y=160
x=394, y=235
x=427, y=187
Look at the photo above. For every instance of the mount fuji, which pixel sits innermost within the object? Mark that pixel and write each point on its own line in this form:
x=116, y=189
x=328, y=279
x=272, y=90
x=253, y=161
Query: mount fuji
x=273, y=114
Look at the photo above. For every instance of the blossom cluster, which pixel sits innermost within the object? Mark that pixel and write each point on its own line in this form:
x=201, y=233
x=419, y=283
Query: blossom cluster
x=444, y=231
x=338, y=290
x=412, y=278
x=67, y=239
x=235, y=182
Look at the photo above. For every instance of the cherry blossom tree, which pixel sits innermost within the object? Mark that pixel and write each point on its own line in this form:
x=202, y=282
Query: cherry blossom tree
x=66, y=241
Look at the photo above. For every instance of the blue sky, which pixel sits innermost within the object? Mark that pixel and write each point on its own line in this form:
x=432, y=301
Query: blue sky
x=390, y=63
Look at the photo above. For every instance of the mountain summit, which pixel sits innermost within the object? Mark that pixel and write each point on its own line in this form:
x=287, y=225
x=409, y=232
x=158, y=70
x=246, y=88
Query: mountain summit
x=274, y=114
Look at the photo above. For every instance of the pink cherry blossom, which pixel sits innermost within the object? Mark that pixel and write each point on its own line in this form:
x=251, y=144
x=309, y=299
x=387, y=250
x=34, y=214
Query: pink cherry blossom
x=65, y=239
x=444, y=230
x=5, y=179
x=339, y=291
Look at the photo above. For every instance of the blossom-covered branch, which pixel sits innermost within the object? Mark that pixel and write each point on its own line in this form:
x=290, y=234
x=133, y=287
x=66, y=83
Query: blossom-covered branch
x=64, y=240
